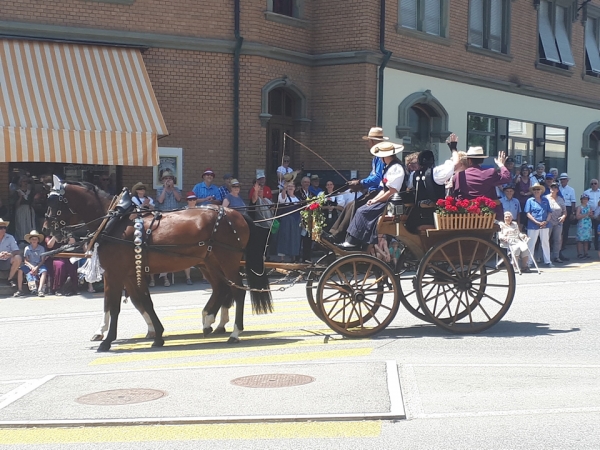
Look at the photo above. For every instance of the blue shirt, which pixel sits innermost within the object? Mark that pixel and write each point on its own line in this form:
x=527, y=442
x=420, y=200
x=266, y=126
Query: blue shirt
x=202, y=191
x=539, y=211
x=374, y=179
x=511, y=205
x=314, y=191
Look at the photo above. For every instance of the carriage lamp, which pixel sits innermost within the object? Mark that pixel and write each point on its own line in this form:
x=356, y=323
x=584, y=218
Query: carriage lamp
x=395, y=206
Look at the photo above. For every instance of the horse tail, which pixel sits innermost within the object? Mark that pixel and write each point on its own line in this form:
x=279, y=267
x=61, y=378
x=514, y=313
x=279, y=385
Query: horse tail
x=256, y=274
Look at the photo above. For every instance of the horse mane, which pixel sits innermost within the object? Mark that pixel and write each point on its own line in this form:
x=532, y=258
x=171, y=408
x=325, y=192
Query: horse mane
x=90, y=187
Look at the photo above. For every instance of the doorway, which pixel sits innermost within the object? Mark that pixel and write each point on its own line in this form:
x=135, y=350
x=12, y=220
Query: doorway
x=281, y=108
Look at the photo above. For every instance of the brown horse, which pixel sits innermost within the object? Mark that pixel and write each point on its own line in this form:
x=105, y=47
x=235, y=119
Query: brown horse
x=211, y=238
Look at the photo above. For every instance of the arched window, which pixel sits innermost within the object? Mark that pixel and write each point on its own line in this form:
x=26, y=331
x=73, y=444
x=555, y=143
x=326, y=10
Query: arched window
x=590, y=150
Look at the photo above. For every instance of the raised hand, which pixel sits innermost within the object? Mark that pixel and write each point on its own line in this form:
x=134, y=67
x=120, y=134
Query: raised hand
x=500, y=159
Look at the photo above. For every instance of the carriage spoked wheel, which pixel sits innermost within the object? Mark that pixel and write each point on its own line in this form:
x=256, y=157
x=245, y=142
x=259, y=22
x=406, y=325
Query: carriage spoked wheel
x=465, y=284
x=406, y=272
x=312, y=280
x=358, y=295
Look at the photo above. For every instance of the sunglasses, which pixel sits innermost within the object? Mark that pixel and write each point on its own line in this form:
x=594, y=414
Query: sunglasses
x=2, y=228
x=593, y=183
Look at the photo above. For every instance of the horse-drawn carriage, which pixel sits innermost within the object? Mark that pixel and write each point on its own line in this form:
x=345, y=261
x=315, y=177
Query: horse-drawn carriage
x=459, y=280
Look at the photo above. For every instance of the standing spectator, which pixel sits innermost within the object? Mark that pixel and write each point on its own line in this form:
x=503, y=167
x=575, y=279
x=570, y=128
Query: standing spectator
x=593, y=194
x=226, y=188
x=168, y=196
x=523, y=191
x=585, y=232
x=22, y=202
x=510, y=166
x=283, y=169
x=554, y=172
x=9, y=253
x=548, y=181
x=207, y=192
x=261, y=179
x=539, y=175
x=314, y=187
x=288, y=242
x=261, y=212
x=332, y=206
x=568, y=194
x=104, y=183
x=511, y=204
x=538, y=214
x=557, y=218
x=303, y=193
x=33, y=266
x=233, y=199
x=139, y=196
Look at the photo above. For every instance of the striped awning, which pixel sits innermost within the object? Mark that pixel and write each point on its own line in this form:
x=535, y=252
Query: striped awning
x=76, y=104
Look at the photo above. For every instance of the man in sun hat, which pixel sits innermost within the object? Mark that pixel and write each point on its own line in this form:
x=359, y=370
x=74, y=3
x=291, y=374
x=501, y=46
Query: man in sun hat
x=207, y=192
x=476, y=182
x=10, y=259
x=568, y=194
x=168, y=196
x=33, y=265
x=314, y=187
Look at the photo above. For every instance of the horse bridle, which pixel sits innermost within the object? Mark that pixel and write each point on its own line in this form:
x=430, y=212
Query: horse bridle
x=56, y=222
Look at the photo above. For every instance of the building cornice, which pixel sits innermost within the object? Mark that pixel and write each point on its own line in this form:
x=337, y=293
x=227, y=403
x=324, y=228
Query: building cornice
x=25, y=30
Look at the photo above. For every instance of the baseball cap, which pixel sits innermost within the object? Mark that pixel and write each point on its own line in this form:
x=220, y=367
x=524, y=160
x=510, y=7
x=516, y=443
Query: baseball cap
x=191, y=195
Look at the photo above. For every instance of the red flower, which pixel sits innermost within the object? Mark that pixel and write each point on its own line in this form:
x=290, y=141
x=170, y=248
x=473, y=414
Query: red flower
x=313, y=206
x=385, y=181
x=452, y=208
x=441, y=202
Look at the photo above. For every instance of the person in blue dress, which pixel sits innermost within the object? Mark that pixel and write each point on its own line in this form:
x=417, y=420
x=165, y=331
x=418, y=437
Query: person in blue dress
x=584, y=214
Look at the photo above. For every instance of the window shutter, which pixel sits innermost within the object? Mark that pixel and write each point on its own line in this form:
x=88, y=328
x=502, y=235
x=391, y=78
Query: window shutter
x=562, y=37
x=591, y=45
x=496, y=19
x=546, y=33
x=408, y=13
x=432, y=17
x=476, y=23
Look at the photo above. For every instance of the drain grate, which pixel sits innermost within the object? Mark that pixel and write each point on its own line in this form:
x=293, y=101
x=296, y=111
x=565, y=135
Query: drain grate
x=121, y=397
x=274, y=380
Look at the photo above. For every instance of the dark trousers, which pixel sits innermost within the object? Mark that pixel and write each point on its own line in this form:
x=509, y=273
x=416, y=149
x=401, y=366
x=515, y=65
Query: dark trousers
x=595, y=223
x=566, y=226
x=342, y=223
x=306, y=248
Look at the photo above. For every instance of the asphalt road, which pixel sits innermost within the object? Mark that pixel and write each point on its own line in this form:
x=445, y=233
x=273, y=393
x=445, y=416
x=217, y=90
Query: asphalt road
x=532, y=381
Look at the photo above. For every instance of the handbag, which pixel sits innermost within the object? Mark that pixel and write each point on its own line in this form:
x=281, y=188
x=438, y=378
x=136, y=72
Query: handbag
x=275, y=226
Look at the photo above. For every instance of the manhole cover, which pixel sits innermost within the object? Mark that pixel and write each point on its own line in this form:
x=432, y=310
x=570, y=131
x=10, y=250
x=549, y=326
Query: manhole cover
x=275, y=380
x=121, y=397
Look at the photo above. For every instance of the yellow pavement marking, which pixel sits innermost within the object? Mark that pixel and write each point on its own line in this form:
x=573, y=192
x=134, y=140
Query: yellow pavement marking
x=183, y=353
x=253, y=334
x=273, y=359
x=217, y=432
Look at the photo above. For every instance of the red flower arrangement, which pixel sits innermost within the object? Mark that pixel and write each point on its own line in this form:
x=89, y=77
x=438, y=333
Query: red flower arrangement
x=479, y=206
x=312, y=217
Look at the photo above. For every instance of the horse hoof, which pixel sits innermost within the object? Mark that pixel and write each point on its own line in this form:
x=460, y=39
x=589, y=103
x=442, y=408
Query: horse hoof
x=233, y=340
x=151, y=335
x=104, y=347
x=97, y=337
x=207, y=331
x=158, y=343
x=220, y=330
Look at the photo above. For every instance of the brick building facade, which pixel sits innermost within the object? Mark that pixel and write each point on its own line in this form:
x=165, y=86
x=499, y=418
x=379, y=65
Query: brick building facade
x=481, y=68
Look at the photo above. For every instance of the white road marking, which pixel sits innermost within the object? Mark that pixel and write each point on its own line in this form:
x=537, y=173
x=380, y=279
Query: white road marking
x=410, y=392
x=21, y=391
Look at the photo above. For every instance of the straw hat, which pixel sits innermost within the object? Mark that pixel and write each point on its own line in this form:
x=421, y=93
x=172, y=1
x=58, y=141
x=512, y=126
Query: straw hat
x=167, y=173
x=384, y=149
x=314, y=177
x=537, y=186
x=34, y=233
x=4, y=223
x=564, y=176
x=235, y=182
x=291, y=176
x=137, y=186
x=376, y=134
x=476, y=152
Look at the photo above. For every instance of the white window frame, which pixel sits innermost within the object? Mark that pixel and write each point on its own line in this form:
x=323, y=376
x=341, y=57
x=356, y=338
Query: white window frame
x=484, y=7
x=554, y=35
x=421, y=18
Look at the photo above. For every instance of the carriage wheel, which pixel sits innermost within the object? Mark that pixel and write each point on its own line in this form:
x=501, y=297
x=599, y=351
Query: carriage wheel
x=312, y=280
x=406, y=271
x=358, y=295
x=465, y=285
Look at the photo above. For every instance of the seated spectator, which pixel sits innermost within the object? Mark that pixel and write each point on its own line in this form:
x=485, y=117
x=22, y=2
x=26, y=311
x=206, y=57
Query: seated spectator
x=33, y=266
x=10, y=259
x=314, y=187
x=139, y=196
x=60, y=270
x=510, y=237
x=226, y=188
x=332, y=206
x=233, y=199
x=191, y=200
x=207, y=192
x=168, y=196
x=261, y=179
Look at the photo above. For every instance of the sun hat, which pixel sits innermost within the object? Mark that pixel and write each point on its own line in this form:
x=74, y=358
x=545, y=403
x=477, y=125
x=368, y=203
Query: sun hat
x=4, y=223
x=260, y=174
x=564, y=176
x=137, y=186
x=227, y=176
x=376, y=134
x=291, y=176
x=537, y=186
x=234, y=182
x=34, y=233
x=383, y=149
x=476, y=152
x=167, y=173
x=191, y=195
x=314, y=177
x=208, y=171
x=584, y=196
